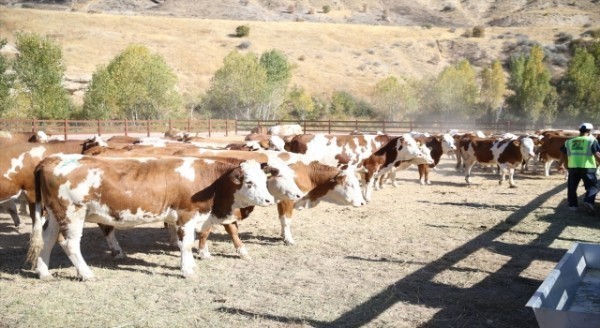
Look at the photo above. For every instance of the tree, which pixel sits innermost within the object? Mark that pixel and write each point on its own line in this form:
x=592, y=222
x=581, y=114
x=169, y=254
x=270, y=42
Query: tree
x=279, y=74
x=580, y=87
x=6, y=82
x=454, y=92
x=247, y=87
x=136, y=85
x=39, y=73
x=530, y=82
x=493, y=88
x=299, y=104
x=344, y=105
x=393, y=100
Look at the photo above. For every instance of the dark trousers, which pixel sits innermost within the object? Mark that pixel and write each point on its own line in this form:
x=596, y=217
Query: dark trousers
x=590, y=182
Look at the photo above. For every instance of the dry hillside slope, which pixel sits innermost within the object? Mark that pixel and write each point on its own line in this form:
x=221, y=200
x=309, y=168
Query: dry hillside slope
x=420, y=39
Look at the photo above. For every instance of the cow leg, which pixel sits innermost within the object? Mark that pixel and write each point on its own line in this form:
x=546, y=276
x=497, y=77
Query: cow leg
x=11, y=208
x=111, y=240
x=172, y=234
x=285, y=210
x=368, y=185
x=71, y=244
x=49, y=237
x=232, y=230
x=424, y=174
x=547, y=165
x=186, y=243
x=511, y=180
x=23, y=205
x=203, y=251
x=468, y=169
x=392, y=176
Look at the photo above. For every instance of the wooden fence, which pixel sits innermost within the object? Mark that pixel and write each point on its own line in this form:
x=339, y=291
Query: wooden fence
x=210, y=127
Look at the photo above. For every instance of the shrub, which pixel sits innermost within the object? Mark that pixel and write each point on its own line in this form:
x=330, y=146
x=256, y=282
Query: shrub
x=244, y=45
x=242, y=31
x=478, y=32
x=326, y=8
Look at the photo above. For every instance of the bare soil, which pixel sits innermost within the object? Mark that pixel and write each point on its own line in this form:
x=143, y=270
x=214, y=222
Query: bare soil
x=443, y=255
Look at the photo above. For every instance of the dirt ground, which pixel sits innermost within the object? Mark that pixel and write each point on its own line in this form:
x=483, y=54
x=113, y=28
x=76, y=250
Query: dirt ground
x=443, y=255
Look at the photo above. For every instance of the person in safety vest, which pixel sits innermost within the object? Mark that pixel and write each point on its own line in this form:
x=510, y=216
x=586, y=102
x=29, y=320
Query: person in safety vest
x=583, y=152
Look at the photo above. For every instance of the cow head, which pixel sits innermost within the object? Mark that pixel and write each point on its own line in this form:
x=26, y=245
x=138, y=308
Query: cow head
x=282, y=184
x=342, y=189
x=527, y=147
x=448, y=145
x=251, y=183
x=95, y=141
x=408, y=148
x=426, y=158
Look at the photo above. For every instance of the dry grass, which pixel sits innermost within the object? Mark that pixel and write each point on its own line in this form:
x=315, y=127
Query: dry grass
x=327, y=57
x=445, y=255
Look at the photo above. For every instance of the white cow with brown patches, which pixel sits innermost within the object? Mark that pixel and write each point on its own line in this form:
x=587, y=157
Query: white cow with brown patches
x=125, y=192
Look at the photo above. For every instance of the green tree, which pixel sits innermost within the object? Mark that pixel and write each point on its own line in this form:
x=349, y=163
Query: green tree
x=39, y=72
x=136, y=85
x=493, y=88
x=393, y=100
x=344, y=106
x=580, y=87
x=279, y=74
x=247, y=87
x=530, y=82
x=299, y=104
x=6, y=82
x=454, y=93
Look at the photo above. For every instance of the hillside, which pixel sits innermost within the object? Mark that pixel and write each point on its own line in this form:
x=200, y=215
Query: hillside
x=346, y=49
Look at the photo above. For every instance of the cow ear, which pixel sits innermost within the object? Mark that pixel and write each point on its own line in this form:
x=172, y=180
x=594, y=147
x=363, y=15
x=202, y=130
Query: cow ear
x=516, y=143
x=344, y=167
x=236, y=176
x=270, y=171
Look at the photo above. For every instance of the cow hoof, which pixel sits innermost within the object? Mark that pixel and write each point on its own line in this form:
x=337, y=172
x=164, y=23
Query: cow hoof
x=205, y=257
x=289, y=242
x=89, y=278
x=117, y=255
x=512, y=186
x=46, y=277
x=245, y=257
x=189, y=275
x=428, y=182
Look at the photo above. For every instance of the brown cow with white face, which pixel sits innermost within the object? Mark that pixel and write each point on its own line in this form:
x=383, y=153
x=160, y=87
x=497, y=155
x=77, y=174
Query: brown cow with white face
x=320, y=183
x=17, y=164
x=124, y=192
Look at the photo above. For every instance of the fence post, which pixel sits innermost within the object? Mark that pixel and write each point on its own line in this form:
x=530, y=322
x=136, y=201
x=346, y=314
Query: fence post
x=226, y=127
x=329, y=126
x=507, y=126
x=148, y=128
x=304, y=126
x=189, y=125
x=98, y=125
x=383, y=127
x=33, y=126
x=209, y=127
x=236, y=126
x=65, y=129
x=126, y=127
x=170, y=126
x=356, y=125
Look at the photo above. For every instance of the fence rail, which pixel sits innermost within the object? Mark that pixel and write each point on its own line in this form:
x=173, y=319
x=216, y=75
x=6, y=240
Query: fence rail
x=226, y=127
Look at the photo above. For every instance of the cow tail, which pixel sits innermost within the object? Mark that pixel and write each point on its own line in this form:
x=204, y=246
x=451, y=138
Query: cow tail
x=36, y=241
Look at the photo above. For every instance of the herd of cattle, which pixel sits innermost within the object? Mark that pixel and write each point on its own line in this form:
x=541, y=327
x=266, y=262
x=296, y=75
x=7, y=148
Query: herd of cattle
x=194, y=183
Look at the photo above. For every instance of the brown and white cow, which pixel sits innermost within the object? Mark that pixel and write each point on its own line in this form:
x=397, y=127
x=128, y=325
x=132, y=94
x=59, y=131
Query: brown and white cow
x=125, y=192
x=17, y=166
x=337, y=150
x=285, y=130
x=422, y=163
x=507, y=153
x=382, y=161
x=320, y=183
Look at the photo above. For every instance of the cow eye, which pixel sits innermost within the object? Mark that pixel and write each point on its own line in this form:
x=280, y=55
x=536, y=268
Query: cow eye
x=249, y=184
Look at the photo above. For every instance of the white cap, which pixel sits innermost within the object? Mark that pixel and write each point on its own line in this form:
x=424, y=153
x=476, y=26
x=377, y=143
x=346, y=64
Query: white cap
x=586, y=127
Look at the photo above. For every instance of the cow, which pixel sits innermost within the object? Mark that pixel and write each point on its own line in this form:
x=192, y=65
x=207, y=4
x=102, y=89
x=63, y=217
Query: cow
x=337, y=150
x=382, y=161
x=266, y=141
x=549, y=151
x=320, y=183
x=422, y=163
x=285, y=130
x=259, y=130
x=507, y=153
x=11, y=138
x=17, y=167
x=125, y=192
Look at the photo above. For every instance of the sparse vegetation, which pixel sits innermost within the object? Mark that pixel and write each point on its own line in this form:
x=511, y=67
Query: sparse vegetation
x=478, y=32
x=242, y=31
x=326, y=9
